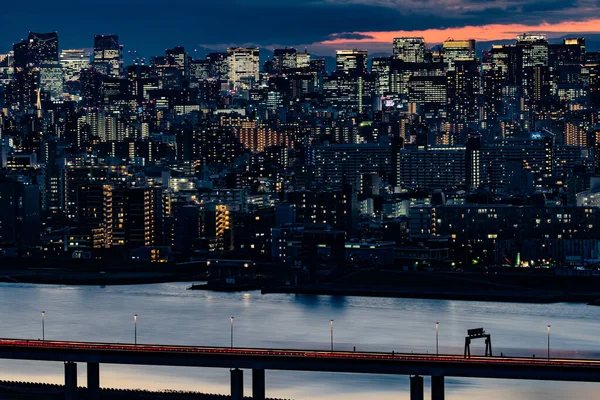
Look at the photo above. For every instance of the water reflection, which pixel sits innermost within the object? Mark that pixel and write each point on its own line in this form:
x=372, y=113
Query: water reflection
x=170, y=314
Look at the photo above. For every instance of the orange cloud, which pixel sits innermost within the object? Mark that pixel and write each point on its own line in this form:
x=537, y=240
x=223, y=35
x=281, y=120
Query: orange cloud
x=482, y=33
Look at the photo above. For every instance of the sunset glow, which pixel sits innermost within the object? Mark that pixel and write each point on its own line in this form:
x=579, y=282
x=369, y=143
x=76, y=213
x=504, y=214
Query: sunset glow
x=480, y=33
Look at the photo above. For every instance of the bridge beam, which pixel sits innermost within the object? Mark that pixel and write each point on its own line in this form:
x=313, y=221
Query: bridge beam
x=258, y=384
x=237, y=384
x=416, y=387
x=437, y=388
x=70, y=381
x=93, y=381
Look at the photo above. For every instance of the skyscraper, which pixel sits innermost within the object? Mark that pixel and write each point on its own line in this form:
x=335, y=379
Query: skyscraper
x=72, y=62
x=457, y=50
x=243, y=66
x=285, y=59
x=353, y=62
x=178, y=58
x=534, y=49
x=37, y=50
x=36, y=56
x=108, y=53
x=409, y=49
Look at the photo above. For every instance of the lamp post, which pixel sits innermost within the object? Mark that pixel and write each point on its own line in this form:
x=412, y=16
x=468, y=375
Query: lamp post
x=231, y=327
x=135, y=329
x=331, y=332
x=437, y=339
x=43, y=326
x=548, y=342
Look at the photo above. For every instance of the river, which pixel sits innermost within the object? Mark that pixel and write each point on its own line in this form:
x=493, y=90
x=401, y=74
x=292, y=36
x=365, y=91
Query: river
x=170, y=314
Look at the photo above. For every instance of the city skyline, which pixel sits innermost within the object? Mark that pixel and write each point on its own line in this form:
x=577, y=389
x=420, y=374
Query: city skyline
x=322, y=26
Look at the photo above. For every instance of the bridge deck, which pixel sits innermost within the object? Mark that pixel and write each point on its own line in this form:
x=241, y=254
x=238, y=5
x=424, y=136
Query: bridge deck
x=304, y=360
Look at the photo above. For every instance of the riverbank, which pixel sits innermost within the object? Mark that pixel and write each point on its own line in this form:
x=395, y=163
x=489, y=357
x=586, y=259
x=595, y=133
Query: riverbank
x=86, y=272
x=43, y=391
x=504, y=286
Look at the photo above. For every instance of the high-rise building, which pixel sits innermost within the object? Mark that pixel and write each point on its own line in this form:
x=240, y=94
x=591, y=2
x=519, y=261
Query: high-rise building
x=37, y=50
x=352, y=62
x=243, y=66
x=464, y=86
x=409, y=49
x=381, y=68
x=108, y=54
x=458, y=50
x=534, y=49
x=218, y=65
x=35, y=68
x=303, y=60
x=178, y=58
x=285, y=59
x=73, y=62
x=51, y=82
x=570, y=52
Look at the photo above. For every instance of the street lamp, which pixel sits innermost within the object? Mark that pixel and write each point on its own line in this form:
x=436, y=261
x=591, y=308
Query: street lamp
x=43, y=327
x=231, y=326
x=135, y=329
x=437, y=339
x=548, y=342
x=331, y=332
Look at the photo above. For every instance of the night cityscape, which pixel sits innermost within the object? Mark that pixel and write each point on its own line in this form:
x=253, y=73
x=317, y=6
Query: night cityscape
x=366, y=202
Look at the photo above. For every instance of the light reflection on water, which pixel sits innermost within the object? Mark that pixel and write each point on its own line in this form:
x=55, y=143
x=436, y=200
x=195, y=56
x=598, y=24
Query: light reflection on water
x=169, y=314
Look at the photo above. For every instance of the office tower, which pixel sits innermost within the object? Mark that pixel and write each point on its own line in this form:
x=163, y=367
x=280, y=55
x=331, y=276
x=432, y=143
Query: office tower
x=401, y=72
x=503, y=58
x=73, y=62
x=344, y=90
x=464, y=85
x=493, y=106
x=381, y=69
x=570, y=52
x=51, y=82
x=25, y=87
x=351, y=62
x=409, y=49
x=179, y=59
x=37, y=50
x=218, y=65
x=199, y=70
x=35, y=68
x=534, y=49
x=108, y=54
x=285, y=60
x=317, y=66
x=595, y=86
x=138, y=78
x=303, y=60
x=243, y=66
x=458, y=50
x=427, y=94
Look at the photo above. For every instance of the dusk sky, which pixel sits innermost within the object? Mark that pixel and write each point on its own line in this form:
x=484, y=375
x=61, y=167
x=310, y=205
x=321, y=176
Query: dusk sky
x=323, y=25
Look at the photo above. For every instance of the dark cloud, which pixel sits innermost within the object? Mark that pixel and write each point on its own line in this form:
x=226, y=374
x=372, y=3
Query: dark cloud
x=350, y=36
x=152, y=25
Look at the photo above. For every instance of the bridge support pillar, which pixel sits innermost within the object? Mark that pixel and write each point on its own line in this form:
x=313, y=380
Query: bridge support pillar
x=93, y=381
x=416, y=387
x=258, y=384
x=70, y=381
x=437, y=388
x=237, y=384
